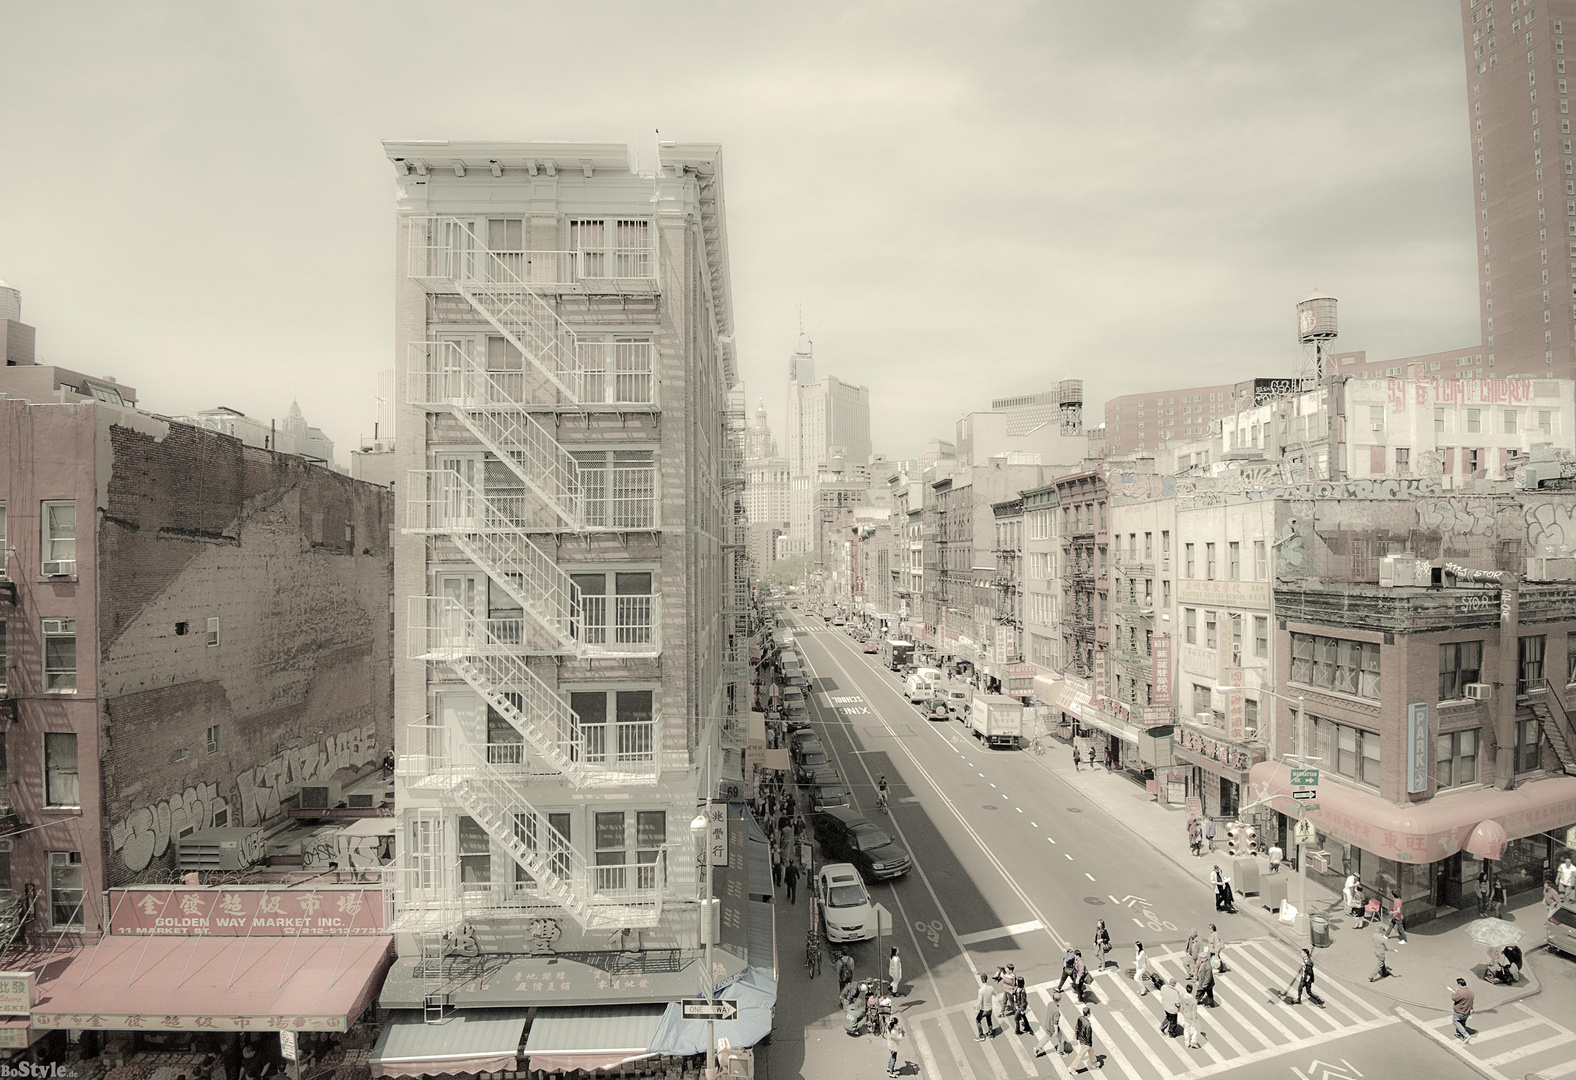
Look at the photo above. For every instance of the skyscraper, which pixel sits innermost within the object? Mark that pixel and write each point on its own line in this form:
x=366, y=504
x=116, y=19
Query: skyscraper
x=827, y=418
x=1524, y=184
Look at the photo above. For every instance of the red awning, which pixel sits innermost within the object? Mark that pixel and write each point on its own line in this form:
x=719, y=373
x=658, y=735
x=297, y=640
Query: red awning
x=1427, y=831
x=212, y=983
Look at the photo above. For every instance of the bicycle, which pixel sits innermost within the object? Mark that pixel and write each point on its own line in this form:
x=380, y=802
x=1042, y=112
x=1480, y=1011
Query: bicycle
x=881, y=801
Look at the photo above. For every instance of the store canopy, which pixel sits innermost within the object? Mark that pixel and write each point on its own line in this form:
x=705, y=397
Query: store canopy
x=756, y=993
x=212, y=983
x=1427, y=831
x=468, y=1041
x=603, y=1037
x=1488, y=840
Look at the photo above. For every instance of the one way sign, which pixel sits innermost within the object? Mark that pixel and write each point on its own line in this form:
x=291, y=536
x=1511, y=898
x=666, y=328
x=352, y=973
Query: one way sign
x=701, y=1009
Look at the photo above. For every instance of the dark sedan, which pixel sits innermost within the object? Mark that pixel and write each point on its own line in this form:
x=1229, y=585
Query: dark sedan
x=847, y=836
x=809, y=761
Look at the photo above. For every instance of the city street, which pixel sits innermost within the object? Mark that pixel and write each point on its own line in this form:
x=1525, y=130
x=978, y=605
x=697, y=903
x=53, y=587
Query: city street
x=1010, y=863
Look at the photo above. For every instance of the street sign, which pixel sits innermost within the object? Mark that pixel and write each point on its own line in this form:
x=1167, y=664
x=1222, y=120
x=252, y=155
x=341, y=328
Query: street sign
x=287, y=1044
x=1305, y=778
x=1304, y=831
x=1305, y=794
x=883, y=918
x=701, y=1009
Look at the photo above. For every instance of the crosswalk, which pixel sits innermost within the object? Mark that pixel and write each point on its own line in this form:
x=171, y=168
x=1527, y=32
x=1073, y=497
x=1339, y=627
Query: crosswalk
x=1249, y=1025
x=1509, y=1043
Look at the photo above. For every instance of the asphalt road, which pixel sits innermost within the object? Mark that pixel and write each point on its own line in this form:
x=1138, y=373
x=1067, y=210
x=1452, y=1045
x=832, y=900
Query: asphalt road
x=1011, y=863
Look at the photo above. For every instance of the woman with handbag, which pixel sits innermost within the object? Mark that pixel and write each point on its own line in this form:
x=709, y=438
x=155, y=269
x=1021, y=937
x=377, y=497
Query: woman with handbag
x=1102, y=943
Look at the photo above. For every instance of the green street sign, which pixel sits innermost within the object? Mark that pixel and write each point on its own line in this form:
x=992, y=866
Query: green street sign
x=1304, y=778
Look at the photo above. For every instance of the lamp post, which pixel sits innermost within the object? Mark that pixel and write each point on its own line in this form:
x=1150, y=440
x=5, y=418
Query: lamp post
x=698, y=830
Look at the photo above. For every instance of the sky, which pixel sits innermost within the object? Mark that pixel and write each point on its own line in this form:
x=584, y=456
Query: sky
x=968, y=200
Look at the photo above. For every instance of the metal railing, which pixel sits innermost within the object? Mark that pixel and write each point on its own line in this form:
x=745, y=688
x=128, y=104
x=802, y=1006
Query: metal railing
x=617, y=372
x=618, y=624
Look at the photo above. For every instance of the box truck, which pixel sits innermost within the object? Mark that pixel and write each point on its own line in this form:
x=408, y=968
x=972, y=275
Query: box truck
x=996, y=720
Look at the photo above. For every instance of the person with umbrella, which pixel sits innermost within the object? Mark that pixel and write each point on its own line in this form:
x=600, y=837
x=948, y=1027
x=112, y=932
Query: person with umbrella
x=1502, y=940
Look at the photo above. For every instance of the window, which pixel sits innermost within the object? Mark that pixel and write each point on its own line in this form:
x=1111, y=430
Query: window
x=1353, y=751
x=1530, y=653
x=503, y=356
x=1460, y=663
x=620, y=369
x=1349, y=667
x=60, y=769
x=1250, y=717
x=1165, y=594
x=213, y=633
x=1376, y=417
x=1201, y=700
x=1236, y=638
x=475, y=856
x=1165, y=544
x=1187, y=560
x=65, y=890
x=506, y=245
x=616, y=608
x=1261, y=636
x=1209, y=562
x=630, y=739
x=610, y=850
x=1455, y=758
x=1474, y=421
x=651, y=833
x=1261, y=562
x=60, y=655
x=588, y=241
x=1403, y=460
x=1545, y=427
x=1211, y=639
x=618, y=488
x=1190, y=625
x=3, y=667
x=1149, y=544
x=1529, y=733
x=530, y=834
x=60, y=538
x=1469, y=458
x=1510, y=421
x=1439, y=421
x=213, y=739
x=1234, y=561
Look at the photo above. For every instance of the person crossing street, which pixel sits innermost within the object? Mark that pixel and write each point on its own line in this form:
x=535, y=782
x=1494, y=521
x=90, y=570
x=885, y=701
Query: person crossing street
x=1461, y=1002
x=1381, y=955
x=1083, y=1035
x=984, y=1020
x=1304, y=979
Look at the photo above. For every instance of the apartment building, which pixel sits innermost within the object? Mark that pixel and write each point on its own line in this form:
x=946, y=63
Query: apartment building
x=191, y=629
x=766, y=489
x=1086, y=582
x=1041, y=585
x=572, y=572
x=1146, y=421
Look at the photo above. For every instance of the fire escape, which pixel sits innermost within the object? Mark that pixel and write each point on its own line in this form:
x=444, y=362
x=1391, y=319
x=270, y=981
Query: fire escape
x=513, y=536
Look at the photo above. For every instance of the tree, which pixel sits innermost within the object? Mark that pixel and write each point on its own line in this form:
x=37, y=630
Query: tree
x=785, y=572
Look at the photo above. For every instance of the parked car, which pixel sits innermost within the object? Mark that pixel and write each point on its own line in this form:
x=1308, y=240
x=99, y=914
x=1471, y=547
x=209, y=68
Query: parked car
x=822, y=796
x=848, y=835
x=803, y=739
x=845, y=904
x=1561, y=929
x=872, y=645
x=937, y=710
x=808, y=761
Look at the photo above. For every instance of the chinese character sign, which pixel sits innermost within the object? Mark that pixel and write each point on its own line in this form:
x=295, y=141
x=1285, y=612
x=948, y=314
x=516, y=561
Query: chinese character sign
x=1236, y=711
x=1099, y=675
x=1160, y=674
x=220, y=912
x=16, y=993
x=717, y=833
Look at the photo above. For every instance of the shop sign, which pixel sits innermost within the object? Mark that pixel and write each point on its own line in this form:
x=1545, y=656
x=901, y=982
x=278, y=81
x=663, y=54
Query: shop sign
x=1237, y=594
x=1176, y=790
x=1233, y=757
x=717, y=833
x=195, y=911
x=1236, y=711
x=1020, y=679
x=1160, y=669
x=1156, y=715
x=1418, y=748
x=1099, y=674
x=16, y=993
x=1195, y=806
x=1118, y=709
x=16, y=1038
x=173, y=1022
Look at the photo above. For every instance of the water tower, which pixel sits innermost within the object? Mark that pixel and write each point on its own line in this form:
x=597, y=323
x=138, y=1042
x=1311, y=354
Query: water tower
x=1069, y=393
x=1315, y=326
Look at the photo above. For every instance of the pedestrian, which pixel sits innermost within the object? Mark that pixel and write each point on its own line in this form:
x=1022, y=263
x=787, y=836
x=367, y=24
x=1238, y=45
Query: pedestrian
x=1209, y=835
x=894, y=1040
x=1190, y=1025
x=1141, y=968
x=1551, y=898
x=791, y=877
x=1067, y=966
x=1305, y=980
x=1102, y=942
x=1496, y=898
x=1020, y=1007
x=1461, y=1002
x=777, y=866
x=845, y=969
x=1080, y=975
x=1194, y=947
x=1076, y=758
x=1205, y=977
x=1091, y=757
x=1083, y=1035
x=1565, y=879
x=1397, y=923
x=1217, y=950
x=895, y=971
x=1195, y=838
x=1053, y=1028
x=1381, y=952
x=984, y=1021
x=1482, y=891
x=1171, y=1005
x=1352, y=892
x=1223, y=898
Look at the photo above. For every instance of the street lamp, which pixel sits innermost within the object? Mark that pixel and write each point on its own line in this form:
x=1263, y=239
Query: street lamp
x=698, y=830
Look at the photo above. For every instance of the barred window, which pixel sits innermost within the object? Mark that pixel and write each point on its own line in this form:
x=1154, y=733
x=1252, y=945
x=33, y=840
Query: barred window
x=1348, y=667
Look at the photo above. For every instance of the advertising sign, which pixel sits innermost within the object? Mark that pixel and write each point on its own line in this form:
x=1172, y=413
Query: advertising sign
x=1418, y=747
x=245, y=912
x=1160, y=669
x=1020, y=680
x=1099, y=675
x=717, y=833
x=16, y=993
x=1236, y=711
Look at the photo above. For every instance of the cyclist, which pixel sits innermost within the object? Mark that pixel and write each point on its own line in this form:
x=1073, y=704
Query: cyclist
x=881, y=792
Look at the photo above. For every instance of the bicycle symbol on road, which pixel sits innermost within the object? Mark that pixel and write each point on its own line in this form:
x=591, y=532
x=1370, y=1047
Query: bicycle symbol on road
x=931, y=930
x=1150, y=919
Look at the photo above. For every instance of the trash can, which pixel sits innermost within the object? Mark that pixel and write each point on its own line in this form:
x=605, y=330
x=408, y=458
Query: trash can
x=1319, y=931
x=1272, y=893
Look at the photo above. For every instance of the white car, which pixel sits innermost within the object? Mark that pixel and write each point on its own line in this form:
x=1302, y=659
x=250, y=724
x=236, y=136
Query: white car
x=845, y=903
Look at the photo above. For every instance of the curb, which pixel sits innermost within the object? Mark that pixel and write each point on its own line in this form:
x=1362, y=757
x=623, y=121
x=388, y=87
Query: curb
x=1449, y=1044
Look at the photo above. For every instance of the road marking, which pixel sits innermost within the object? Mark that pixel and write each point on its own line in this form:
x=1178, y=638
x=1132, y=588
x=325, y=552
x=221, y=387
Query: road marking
x=1064, y=854
x=1023, y=1057
x=1000, y=931
x=994, y=1059
x=1529, y=1049
x=927, y=1059
x=1509, y=1029
x=1110, y=1047
x=1034, y=824
x=1143, y=1009
x=1088, y=875
x=1020, y=810
x=1218, y=1029
x=982, y=774
x=958, y=1060
x=1450, y=1043
x=1272, y=986
x=1272, y=978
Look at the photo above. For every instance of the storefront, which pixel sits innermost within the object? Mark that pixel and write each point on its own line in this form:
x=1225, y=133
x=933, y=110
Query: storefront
x=1216, y=768
x=1430, y=851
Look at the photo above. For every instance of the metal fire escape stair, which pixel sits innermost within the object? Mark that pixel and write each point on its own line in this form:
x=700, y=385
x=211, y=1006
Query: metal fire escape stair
x=1554, y=731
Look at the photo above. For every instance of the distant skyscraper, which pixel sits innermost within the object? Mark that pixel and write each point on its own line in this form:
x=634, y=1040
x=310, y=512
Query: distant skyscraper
x=823, y=414
x=1524, y=186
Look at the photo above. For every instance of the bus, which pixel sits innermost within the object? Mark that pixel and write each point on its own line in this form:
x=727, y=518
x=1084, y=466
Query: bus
x=896, y=655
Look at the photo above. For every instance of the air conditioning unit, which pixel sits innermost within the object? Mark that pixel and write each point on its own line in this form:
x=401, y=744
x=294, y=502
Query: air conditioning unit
x=60, y=567
x=363, y=800
x=220, y=849
x=1398, y=570
x=1477, y=691
x=322, y=796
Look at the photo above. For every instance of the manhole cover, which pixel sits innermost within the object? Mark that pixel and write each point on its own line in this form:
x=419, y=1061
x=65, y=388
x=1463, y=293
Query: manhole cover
x=1074, y=810
x=987, y=806
x=1094, y=901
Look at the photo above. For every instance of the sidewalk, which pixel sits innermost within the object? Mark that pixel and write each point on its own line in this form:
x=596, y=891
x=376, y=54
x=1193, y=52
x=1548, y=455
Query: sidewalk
x=1436, y=953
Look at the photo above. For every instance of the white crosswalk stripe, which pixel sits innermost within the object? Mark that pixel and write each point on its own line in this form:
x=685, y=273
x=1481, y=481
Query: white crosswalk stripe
x=1246, y=1027
x=1544, y=1048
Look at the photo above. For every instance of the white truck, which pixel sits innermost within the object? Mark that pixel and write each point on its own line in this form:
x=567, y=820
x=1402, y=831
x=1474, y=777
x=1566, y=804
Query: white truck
x=996, y=720
x=921, y=685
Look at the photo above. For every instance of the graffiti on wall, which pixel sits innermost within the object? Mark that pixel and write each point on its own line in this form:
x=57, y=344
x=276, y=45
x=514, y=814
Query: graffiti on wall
x=1551, y=527
x=353, y=851
x=145, y=833
x=1460, y=517
x=1454, y=391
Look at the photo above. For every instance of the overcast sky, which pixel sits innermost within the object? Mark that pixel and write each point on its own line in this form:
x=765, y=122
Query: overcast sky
x=969, y=200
